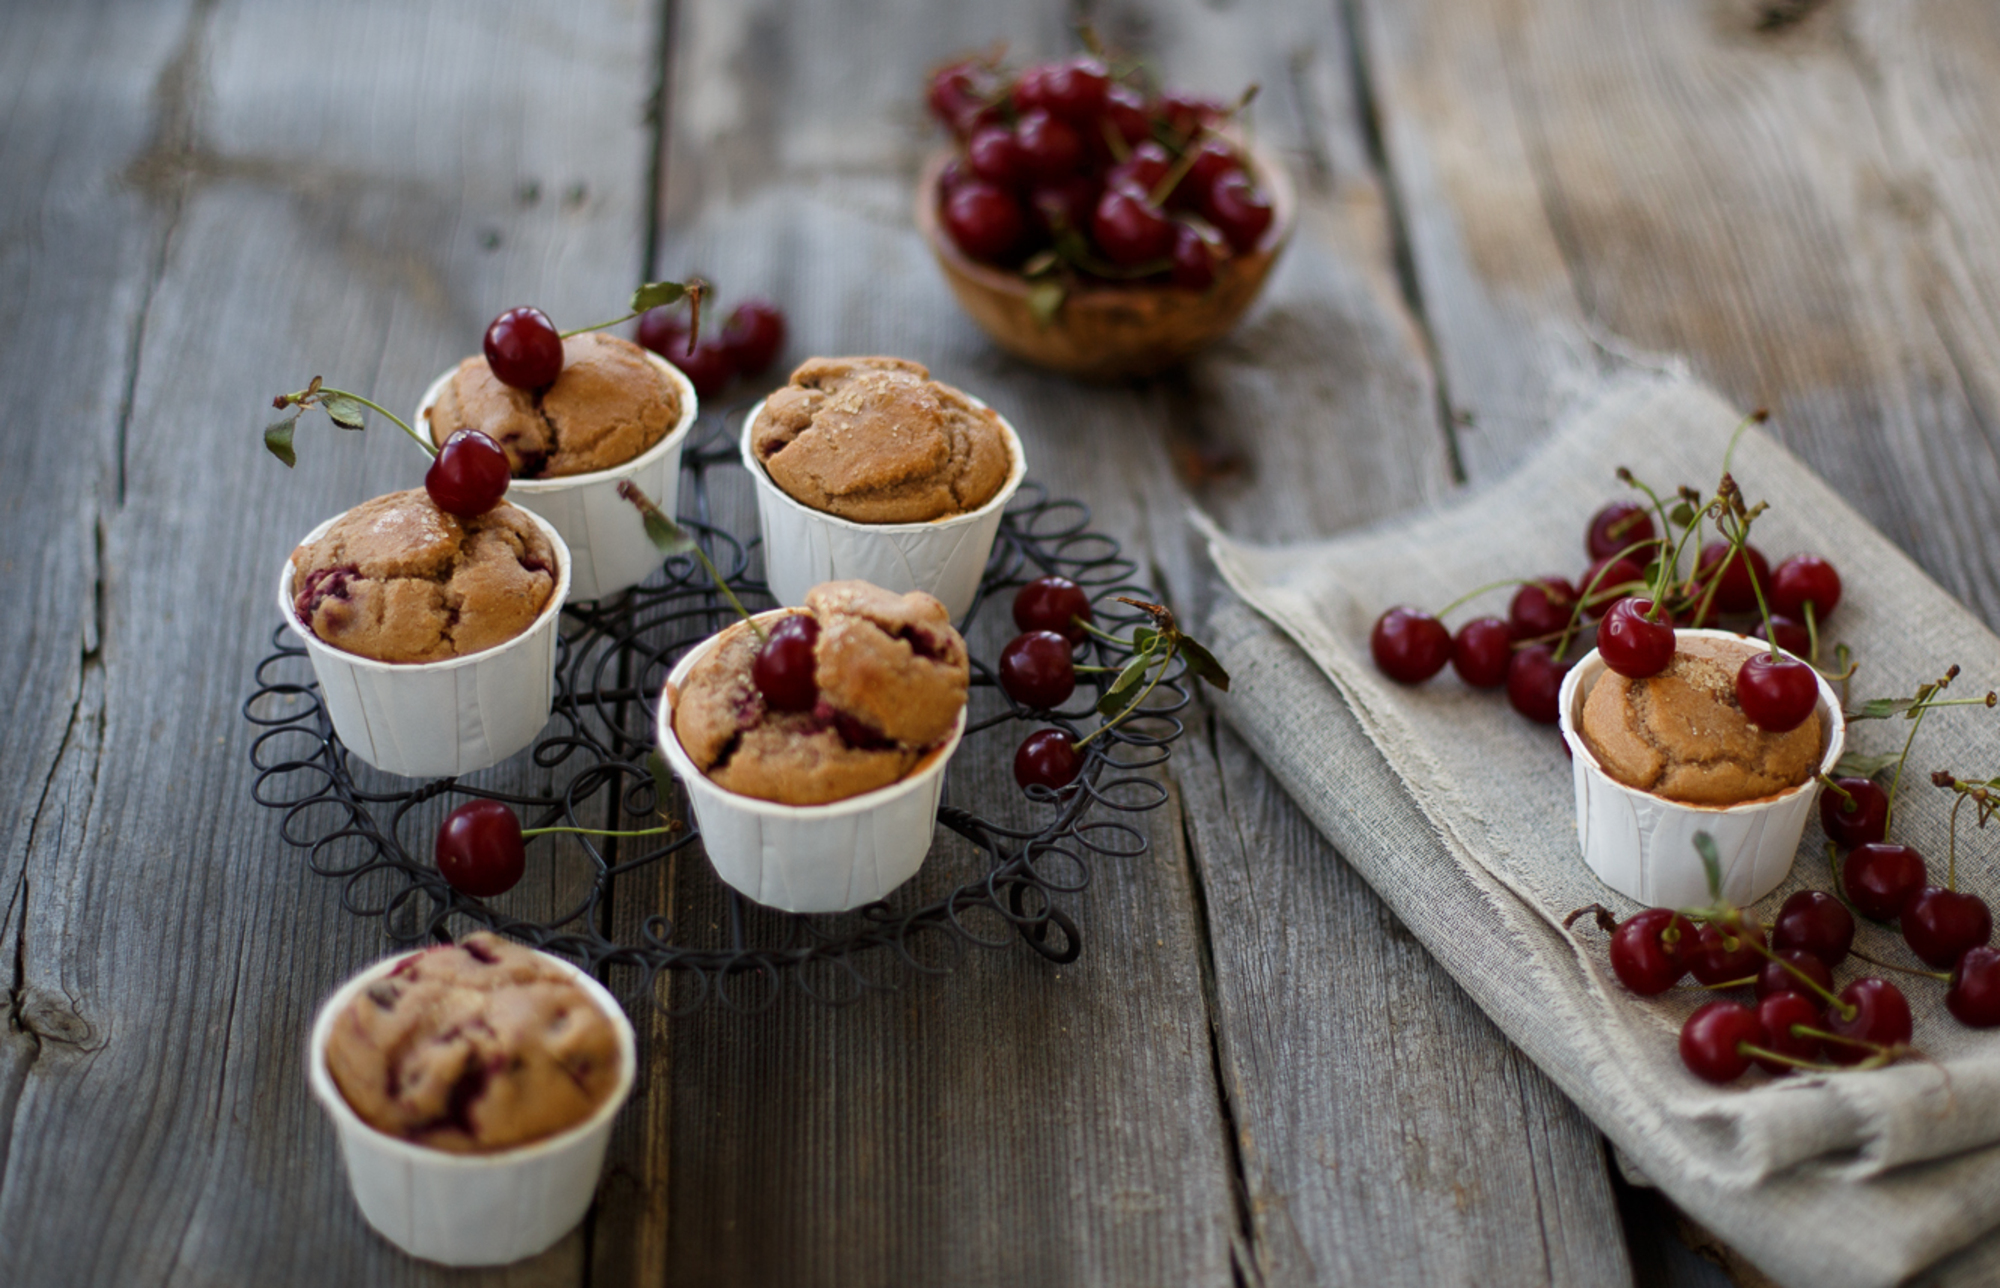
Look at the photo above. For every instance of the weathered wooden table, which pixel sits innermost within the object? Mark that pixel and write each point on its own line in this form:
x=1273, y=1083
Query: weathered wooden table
x=1253, y=1075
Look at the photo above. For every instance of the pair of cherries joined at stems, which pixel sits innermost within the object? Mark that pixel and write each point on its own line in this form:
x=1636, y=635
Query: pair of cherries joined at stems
x=1634, y=637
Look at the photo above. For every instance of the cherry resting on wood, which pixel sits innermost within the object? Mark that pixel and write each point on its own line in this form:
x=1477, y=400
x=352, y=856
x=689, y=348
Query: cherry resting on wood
x=479, y=848
x=1047, y=758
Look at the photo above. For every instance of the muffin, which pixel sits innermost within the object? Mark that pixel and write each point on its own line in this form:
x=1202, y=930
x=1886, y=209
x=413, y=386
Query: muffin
x=891, y=674
x=474, y=1048
x=1682, y=736
x=609, y=405
x=396, y=579
x=875, y=440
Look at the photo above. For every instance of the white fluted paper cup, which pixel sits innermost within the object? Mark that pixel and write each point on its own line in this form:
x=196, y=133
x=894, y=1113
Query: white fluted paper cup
x=810, y=858
x=437, y=719
x=946, y=557
x=1642, y=845
x=607, y=539
x=470, y=1209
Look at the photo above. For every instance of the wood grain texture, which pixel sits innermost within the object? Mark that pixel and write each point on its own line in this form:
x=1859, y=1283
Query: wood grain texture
x=347, y=194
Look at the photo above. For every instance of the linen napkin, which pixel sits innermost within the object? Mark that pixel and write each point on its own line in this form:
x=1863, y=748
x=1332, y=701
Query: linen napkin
x=1460, y=813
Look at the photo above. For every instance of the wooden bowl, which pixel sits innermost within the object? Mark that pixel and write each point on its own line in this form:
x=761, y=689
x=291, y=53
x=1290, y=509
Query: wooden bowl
x=1109, y=332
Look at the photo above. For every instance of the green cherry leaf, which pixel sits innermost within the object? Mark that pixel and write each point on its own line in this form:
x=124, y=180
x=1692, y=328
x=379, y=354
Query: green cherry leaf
x=278, y=439
x=655, y=295
x=1858, y=765
x=1143, y=637
x=1681, y=515
x=343, y=411
x=1119, y=695
x=1045, y=300
x=1882, y=708
x=1203, y=664
x=668, y=537
x=1711, y=864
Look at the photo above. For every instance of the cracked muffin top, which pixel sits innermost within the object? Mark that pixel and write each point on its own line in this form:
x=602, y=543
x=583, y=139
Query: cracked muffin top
x=892, y=677
x=1681, y=734
x=610, y=404
x=876, y=440
x=399, y=580
x=474, y=1047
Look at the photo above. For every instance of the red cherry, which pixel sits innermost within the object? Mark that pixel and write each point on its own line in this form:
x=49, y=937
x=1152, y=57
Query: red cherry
x=784, y=667
x=1185, y=113
x=1050, y=147
x=1713, y=961
x=1777, y=1015
x=1941, y=925
x=1053, y=604
x=1409, y=645
x=1239, y=209
x=1777, y=694
x=1125, y=110
x=1609, y=580
x=1881, y=878
x=1481, y=652
x=469, y=476
x=1712, y=1037
x=753, y=333
x=709, y=368
x=479, y=849
x=1858, y=818
x=1802, y=580
x=1881, y=1016
x=1974, y=996
x=994, y=155
x=1648, y=951
x=1047, y=758
x=1735, y=593
x=1145, y=167
x=1633, y=646
x=1534, y=683
x=1813, y=921
x=664, y=330
x=1212, y=160
x=1792, y=636
x=1194, y=259
x=1774, y=978
x=1036, y=669
x=1073, y=90
x=1541, y=607
x=524, y=349
x=1130, y=229
x=957, y=94
x=1066, y=203
x=985, y=221
x=1616, y=527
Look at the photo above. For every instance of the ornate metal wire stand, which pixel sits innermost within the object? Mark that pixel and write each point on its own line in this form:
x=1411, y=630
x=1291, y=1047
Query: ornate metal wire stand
x=374, y=833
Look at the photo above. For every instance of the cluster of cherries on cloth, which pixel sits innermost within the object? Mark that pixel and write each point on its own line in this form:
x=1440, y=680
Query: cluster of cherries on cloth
x=1069, y=168
x=752, y=334
x=1633, y=597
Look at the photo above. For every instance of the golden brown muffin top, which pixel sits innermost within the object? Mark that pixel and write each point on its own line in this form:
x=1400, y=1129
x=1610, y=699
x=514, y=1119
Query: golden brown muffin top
x=875, y=440
x=399, y=580
x=892, y=676
x=610, y=404
x=473, y=1048
x=1681, y=734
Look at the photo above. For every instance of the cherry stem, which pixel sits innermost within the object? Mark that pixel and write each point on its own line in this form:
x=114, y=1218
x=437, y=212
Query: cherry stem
x=1756, y=417
x=1791, y=1061
x=1092, y=670
x=1846, y=1009
x=1812, y=633
x=1951, y=847
x=1745, y=982
x=1104, y=635
x=1756, y=585
x=592, y=831
x=1807, y=1031
x=1907, y=970
x=1474, y=594
x=1158, y=674
x=599, y=326
x=324, y=391
x=1839, y=791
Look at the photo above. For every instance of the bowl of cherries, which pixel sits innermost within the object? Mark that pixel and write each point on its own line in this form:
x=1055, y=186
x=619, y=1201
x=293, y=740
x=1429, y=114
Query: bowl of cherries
x=1091, y=224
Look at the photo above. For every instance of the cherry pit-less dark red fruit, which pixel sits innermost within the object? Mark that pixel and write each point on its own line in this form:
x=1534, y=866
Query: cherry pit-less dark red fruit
x=1053, y=604
x=745, y=345
x=524, y=349
x=469, y=475
x=1881, y=1018
x=1974, y=996
x=1815, y=922
x=1785, y=1027
x=1047, y=758
x=1481, y=652
x=1650, y=951
x=1881, y=878
x=1776, y=693
x=1854, y=812
x=480, y=850
x=1713, y=1038
x=1617, y=528
x=1942, y=925
x=1409, y=645
x=1534, y=683
x=784, y=668
x=1036, y=669
x=1633, y=645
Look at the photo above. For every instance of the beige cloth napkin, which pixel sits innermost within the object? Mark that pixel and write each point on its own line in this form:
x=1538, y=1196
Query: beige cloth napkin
x=1461, y=814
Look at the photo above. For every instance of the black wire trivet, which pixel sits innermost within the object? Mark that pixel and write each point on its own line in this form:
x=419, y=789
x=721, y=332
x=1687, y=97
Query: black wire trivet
x=612, y=660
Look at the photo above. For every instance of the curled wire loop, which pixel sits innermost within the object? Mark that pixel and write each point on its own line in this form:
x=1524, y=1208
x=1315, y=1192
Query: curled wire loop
x=373, y=835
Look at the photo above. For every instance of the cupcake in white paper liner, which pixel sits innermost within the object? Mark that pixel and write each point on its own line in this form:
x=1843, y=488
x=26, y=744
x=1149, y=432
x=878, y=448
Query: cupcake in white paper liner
x=439, y=719
x=810, y=858
x=1642, y=845
x=471, y=1209
x=608, y=544
x=944, y=557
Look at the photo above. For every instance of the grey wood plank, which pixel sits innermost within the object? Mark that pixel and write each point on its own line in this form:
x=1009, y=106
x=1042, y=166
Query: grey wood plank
x=342, y=193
